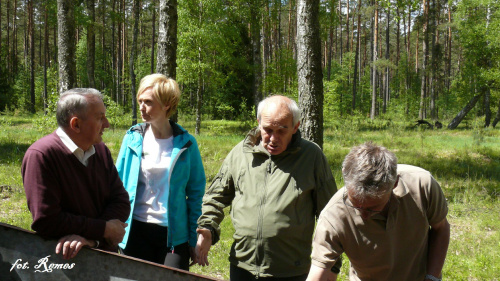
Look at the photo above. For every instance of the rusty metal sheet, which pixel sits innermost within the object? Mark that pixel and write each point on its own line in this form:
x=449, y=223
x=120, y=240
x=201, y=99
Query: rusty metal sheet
x=27, y=256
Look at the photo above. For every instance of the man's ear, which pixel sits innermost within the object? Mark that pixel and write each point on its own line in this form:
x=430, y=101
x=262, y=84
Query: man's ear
x=74, y=124
x=296, y=127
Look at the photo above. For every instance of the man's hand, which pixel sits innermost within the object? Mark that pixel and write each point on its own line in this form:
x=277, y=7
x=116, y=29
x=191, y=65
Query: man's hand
x=203, y=246
x=70, y=245
x=114, y=232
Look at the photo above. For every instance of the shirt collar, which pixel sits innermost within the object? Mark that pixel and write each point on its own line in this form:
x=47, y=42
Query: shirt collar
x=82, y=156
x=401, y=189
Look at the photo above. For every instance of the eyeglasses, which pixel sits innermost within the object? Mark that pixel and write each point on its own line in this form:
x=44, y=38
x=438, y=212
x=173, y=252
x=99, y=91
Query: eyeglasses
x=372, y=212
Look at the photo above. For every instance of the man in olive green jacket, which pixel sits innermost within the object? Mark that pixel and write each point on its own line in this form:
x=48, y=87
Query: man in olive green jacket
x=277, y=184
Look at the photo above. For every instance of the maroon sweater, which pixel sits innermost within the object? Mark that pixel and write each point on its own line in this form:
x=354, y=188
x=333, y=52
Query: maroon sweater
x=65, y=197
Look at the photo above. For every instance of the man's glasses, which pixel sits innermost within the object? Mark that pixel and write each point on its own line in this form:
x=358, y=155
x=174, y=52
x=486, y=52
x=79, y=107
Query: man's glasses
x=362, y=209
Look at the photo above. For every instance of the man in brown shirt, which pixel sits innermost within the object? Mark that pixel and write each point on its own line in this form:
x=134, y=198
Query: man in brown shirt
x=389, y=219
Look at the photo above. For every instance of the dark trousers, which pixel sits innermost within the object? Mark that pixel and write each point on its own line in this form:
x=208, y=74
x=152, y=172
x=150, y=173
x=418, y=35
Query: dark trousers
x=239, y=274
x=148, y=241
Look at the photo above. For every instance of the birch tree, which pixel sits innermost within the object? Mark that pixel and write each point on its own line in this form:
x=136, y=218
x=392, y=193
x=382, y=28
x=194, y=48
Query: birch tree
x=66, y=44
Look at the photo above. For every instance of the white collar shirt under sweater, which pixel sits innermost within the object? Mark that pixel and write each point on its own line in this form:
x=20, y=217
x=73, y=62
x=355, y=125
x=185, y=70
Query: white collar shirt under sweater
x=83, y=156
x=151, y=204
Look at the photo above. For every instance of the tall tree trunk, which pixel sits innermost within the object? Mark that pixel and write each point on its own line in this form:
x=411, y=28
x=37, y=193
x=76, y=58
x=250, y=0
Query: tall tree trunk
x=398, y=48
x=200, y=84
x=264, y=41
x=425, y=50
x=113, y=52
x=66, y=44
x=153, y=23
x=104, y=58
x=124, y=53
x=1, y=39
x=460, y=116
x=341, y=53
x=348, y=47
x=45, y=59
x=291, y=36
x=374, y=68
x=387, y=37
x=167, y=39
x=356, y=59
x=255, y=16
x=166, y=58
x=119, y=57
x=8, y=41
x=199, y=95
x=133, y=55
x=408, y=53
x=497, y=117
x=416, y=46
x=309, y=72
x=330, y=41
x=448, y=59
x=14, y=41
x=398, y=35
x=54, y=42
x=31, y=31
x=486, y=105
x=91, y=42
x=486, y=87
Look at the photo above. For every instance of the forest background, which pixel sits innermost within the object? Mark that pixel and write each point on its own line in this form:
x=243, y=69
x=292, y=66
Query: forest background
x=395, y=59
x=384, y=65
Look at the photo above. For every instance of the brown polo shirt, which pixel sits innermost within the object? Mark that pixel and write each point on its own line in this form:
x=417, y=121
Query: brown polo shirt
x=379, y=248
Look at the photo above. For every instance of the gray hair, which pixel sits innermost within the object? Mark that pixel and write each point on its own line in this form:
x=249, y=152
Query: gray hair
x=74, y=102
x=291, y=104
x=369, y=171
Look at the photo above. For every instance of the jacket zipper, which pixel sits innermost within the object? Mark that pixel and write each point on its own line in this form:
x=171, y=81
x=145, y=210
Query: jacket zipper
x=169, y=230
x=261, y=218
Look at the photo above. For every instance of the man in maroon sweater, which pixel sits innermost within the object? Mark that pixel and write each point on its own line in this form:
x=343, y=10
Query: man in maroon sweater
x=71, y=183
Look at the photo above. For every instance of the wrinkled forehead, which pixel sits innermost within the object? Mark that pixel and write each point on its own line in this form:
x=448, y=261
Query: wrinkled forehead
x=276, y=115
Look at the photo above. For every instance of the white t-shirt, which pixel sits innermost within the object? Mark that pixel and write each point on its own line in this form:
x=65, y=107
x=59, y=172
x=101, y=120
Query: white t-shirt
x=151, y=204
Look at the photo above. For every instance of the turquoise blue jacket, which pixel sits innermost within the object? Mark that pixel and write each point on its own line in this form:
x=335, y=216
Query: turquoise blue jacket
x=187, y=182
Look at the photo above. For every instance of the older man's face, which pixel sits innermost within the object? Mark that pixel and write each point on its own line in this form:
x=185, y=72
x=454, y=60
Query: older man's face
x=92, y=126
x=276, y=128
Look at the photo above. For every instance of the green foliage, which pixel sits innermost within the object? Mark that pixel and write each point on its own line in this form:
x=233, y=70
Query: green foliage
x=478, y=24
x=207, y=60
x=281, y=74
x=115, y=114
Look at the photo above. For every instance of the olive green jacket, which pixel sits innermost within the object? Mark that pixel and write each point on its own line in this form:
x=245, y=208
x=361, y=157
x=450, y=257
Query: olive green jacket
x=274, y=203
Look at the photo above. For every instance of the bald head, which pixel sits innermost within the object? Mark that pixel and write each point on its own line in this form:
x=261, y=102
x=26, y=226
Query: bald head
x=278, y=102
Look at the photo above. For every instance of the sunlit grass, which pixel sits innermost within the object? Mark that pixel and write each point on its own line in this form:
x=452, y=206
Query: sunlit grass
x=465, y=162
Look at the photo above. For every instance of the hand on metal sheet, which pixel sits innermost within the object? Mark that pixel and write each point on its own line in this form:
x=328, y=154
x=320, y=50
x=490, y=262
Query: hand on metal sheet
x=70, y=245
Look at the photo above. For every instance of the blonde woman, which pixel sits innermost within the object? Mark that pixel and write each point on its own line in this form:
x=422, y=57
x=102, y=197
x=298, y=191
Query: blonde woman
x=161, y=168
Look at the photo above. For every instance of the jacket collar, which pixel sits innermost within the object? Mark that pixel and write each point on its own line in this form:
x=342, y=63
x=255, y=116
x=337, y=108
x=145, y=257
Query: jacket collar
x=141, y=128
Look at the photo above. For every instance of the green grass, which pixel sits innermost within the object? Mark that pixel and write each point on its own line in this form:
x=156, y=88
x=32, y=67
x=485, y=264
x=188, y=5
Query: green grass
x=466, y=162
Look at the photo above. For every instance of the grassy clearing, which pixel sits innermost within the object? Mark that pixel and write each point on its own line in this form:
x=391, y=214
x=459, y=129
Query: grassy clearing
x=465, y=161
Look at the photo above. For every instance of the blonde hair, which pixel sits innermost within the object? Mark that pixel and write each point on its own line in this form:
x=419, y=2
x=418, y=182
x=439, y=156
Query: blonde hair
x=165, y=90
